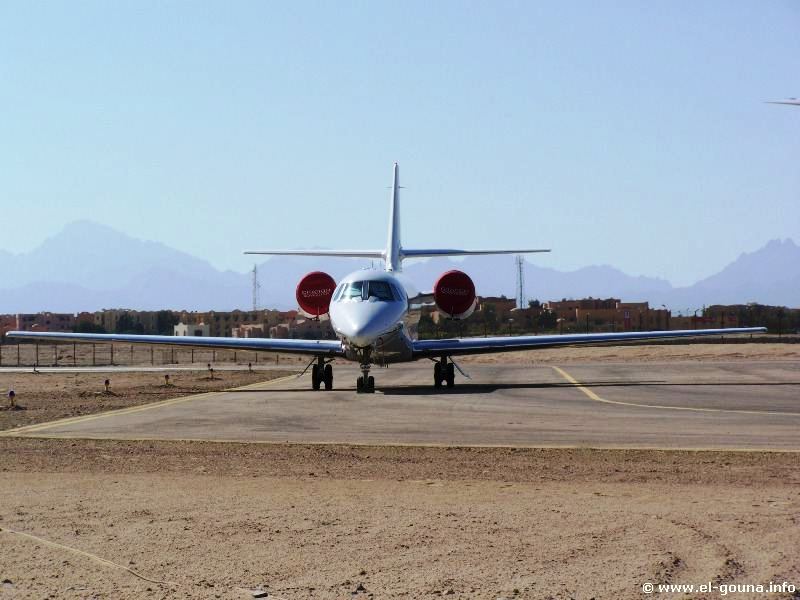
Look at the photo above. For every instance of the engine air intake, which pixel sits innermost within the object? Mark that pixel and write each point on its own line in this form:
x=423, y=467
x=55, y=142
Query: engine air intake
x=454, y=293
x=314, y=293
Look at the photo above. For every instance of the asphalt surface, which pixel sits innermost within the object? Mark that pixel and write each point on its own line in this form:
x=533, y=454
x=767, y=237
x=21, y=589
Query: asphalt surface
x=695, y=405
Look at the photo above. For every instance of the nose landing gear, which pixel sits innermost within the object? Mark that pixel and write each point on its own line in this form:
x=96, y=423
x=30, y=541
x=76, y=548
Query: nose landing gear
x=365, y=384
x=365, y=388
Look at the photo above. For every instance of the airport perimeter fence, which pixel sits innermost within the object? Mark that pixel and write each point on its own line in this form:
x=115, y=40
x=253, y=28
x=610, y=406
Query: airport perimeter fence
x=29, y=354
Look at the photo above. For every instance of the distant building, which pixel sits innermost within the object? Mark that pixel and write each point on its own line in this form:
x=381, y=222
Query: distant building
x=7, y=323
x=308, y=329
x=280, y=331
x=724, y=316
x=502, y=306
x=84, y=317
x=223, y=323
x=610, y=314
x=45, y=321
x=191, y=330
x=248, y=331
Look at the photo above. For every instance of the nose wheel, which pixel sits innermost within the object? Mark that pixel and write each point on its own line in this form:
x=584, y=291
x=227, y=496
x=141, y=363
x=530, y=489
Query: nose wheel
x=368, y=388
x=365, y=384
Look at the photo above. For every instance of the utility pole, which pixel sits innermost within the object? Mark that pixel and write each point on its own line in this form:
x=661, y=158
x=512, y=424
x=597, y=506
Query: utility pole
x=256, y=287
x=520, y=282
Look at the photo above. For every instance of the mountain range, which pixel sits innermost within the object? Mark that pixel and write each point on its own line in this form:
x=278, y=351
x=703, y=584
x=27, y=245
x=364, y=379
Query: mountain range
x=88, y=266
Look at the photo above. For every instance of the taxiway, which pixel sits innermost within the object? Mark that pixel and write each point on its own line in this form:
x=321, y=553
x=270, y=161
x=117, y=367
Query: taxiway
x=742, y=405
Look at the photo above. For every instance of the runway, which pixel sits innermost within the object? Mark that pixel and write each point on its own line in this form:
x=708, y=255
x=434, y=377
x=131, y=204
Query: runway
x=691, y=405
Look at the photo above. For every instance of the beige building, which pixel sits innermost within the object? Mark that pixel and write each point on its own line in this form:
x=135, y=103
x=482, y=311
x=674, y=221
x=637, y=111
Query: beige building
x=7, y=323
x=502, y=306
x=108, y=318
x=191, y=329
x=45, y=321
x=610, y=314
x=308, y=329
x=222, y=324
x=248, y=331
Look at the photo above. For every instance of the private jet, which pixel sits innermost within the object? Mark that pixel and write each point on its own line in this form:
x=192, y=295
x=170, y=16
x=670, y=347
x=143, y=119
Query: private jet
x=790, y=101
x=375, y=314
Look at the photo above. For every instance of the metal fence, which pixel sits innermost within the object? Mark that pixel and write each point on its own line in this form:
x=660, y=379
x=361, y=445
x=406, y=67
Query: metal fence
x=27, y=354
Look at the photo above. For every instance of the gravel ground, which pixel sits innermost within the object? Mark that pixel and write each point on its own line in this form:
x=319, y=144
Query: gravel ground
x=220, y=520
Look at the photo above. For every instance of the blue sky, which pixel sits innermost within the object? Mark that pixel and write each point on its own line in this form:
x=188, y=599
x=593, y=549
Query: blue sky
x=624, y=133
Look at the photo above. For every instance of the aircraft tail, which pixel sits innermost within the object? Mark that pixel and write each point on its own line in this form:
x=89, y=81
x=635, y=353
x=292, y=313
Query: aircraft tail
x=394, y=253
x=394, y=256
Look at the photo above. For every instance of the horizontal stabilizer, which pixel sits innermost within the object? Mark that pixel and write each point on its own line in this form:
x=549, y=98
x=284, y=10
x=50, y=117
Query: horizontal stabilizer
x=431, y=252
x=339, y=253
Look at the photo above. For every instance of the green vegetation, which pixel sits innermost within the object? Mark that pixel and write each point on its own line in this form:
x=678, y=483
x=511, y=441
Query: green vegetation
x=165, y=322
x=89, y=327
x=126, y=324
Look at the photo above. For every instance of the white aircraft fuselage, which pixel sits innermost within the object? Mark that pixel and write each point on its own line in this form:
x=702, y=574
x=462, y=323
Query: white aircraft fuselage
x=374, y=315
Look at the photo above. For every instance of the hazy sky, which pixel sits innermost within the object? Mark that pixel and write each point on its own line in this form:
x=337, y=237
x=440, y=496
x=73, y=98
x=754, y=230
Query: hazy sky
x=625, y=133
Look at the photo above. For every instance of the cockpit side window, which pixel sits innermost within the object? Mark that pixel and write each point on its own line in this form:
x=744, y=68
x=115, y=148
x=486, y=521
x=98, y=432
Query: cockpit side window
x=380, y=290
x=397, y=292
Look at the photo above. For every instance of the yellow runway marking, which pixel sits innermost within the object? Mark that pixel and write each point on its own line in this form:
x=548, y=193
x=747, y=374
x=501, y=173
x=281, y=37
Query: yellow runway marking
x=589, y=393
x=133, y=409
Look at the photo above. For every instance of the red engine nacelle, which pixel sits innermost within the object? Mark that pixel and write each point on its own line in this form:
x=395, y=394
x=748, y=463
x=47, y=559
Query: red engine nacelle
x=314, y=293
x=454, y=294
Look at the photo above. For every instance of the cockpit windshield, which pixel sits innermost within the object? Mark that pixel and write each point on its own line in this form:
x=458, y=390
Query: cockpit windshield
x=353, y=290
x=380, y=290
x=366, y=290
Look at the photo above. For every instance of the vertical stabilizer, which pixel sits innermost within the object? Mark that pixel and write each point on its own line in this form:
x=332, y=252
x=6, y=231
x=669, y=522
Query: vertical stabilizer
x=394, y=258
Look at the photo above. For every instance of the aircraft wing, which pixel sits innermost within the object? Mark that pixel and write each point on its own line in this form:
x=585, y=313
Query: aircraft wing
x=486, y=345
x=315, y=347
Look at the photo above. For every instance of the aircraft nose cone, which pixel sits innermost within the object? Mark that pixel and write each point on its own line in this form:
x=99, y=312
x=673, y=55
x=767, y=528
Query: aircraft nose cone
x=363, y=323
x=359, y=334
x=361, y=337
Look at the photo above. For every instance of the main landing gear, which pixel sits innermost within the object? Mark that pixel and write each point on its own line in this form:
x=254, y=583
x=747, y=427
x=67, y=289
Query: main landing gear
x=321, y=373
x=444, y=372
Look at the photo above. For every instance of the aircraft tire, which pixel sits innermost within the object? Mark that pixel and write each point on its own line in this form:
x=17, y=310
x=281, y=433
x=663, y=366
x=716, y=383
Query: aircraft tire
x=450, y=377
x=315, y=377
x=437, y=375
x=328, y=377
